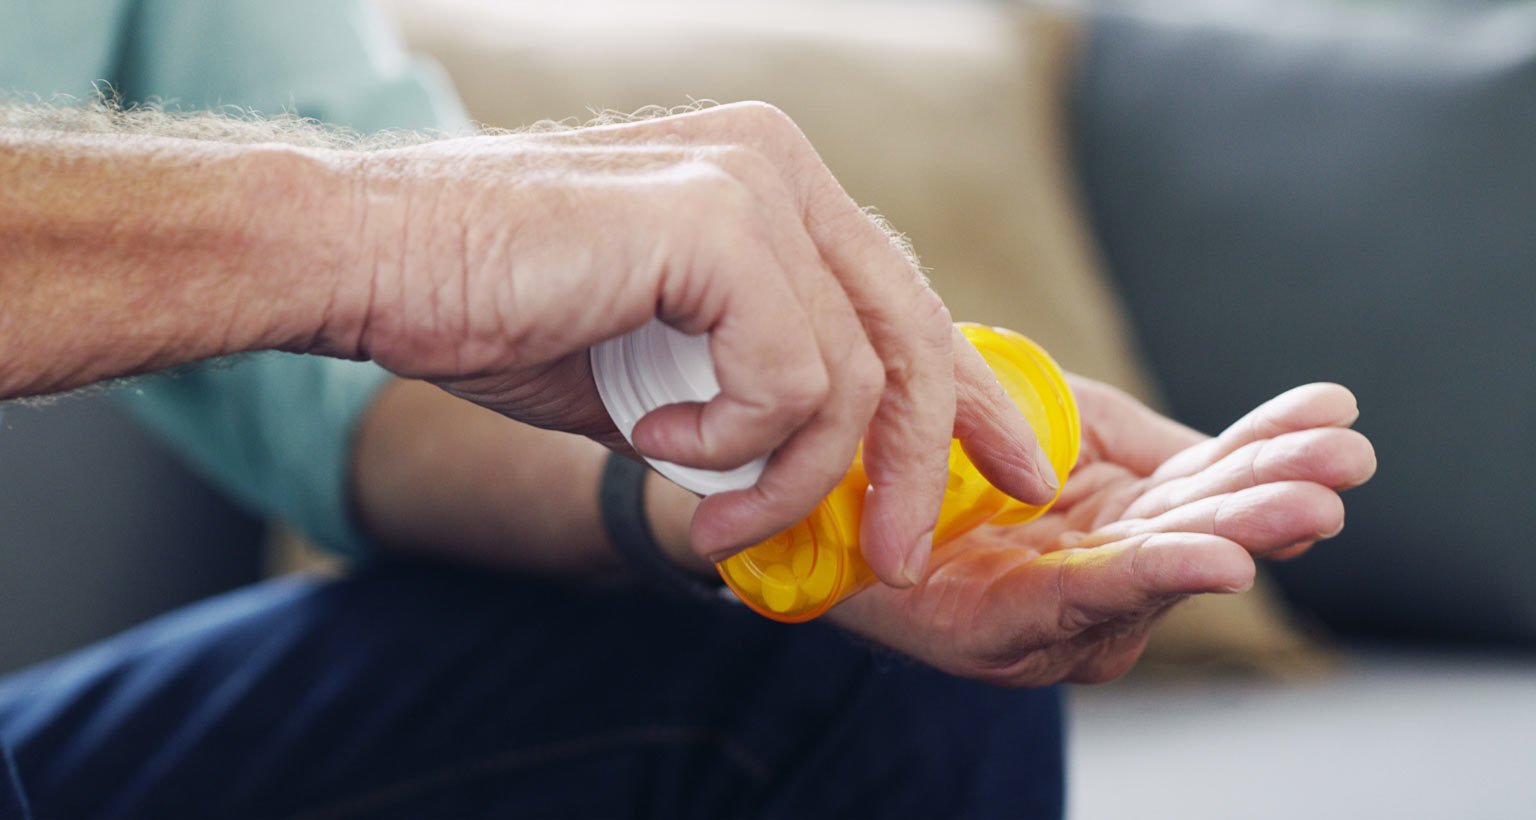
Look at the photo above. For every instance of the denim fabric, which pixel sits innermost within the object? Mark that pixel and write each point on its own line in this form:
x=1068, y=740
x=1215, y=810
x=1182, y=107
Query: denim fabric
x=425, y=691
x=12, y=805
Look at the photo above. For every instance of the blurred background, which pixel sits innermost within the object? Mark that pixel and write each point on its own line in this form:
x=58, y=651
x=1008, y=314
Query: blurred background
x=1202, y=202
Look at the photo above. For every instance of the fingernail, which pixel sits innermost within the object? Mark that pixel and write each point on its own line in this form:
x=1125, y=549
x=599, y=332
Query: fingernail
x=916, y=567
x=1237, y=590
x=720, y=555
x=1046, y=469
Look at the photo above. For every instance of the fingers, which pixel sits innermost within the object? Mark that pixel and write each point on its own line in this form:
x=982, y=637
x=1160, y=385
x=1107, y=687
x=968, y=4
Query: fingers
x=912, y=419
x=907, y=444
x=1141, y=573
x=1103, y=601
x=804, y=390
x=1334, y=457
x=906, y=448
x=994, y=432
x=905, y=324
x=1301, y=408
x=772, y=380
x=1263, y=519
x=996, y=612
x=806, y=466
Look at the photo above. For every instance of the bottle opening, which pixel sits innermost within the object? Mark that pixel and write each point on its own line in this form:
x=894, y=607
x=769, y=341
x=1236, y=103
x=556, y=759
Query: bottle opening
x=793, y=576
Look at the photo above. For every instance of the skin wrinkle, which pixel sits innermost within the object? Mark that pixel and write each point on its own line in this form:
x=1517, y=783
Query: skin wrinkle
x=1063, y=621
x=954, y=606
x=507, y=286
x=1136, y=581
x=1057, y=650
x=1216, y=512
x=108, y=114
x=1016, y=641
x=1113, y=609
x=521, y=290
x=1253, y=462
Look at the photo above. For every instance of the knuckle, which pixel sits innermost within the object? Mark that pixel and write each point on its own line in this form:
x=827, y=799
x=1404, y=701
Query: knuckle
x=932, y=317
x=805, y=388
x=775, y=132
x=898, y=367
x=713, y=209
x=763, y=117
x=710, y=191
x=738, y=159
x=743, y=163
x=865, y=382
x=754, y=170
x=1038, y=666
x=794, y=388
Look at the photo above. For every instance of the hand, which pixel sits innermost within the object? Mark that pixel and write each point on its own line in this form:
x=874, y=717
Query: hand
x=1153, y=512
x=504, y=258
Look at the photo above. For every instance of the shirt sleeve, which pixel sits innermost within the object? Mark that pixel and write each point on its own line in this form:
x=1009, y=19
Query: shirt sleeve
x=274, y=430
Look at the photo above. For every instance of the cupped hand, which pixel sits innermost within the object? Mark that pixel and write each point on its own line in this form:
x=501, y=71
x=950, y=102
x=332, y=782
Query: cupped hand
x=1154, y=512
x=498, y=261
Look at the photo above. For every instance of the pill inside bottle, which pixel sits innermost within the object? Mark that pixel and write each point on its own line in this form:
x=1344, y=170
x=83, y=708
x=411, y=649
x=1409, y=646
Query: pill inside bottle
x=804, y=571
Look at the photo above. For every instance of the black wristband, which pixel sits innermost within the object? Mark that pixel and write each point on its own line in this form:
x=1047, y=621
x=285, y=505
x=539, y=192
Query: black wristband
x=621, y=497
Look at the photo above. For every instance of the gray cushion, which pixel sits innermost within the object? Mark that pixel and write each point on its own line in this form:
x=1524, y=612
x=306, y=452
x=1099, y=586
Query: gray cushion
x=100, y=528
x=1347, y=196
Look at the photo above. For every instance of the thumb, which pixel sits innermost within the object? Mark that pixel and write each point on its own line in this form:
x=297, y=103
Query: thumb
x=1135, y=575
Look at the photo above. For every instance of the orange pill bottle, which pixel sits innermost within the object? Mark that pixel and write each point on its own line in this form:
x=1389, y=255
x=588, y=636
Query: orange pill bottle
x=807, y=569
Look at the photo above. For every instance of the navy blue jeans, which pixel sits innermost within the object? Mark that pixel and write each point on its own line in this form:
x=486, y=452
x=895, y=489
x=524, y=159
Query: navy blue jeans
x=417, y=691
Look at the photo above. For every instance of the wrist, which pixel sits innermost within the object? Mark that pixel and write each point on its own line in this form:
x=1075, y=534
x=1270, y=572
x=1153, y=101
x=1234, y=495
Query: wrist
x=626, y=516
x=402, y=278
x=669, y=511
x=340, y=236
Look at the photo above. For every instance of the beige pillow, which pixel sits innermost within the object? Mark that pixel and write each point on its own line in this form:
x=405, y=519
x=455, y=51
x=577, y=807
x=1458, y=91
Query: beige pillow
x=944, y=117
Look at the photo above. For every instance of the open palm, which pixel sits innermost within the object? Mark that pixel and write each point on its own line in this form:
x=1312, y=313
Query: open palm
x=1153, y=512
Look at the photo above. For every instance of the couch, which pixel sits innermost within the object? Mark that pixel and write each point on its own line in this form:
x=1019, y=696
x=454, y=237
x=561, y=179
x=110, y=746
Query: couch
x=1203, y=205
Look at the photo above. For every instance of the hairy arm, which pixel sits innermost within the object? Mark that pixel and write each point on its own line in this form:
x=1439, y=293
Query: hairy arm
x=122, y=254
x=180, y=240
x=488, y=266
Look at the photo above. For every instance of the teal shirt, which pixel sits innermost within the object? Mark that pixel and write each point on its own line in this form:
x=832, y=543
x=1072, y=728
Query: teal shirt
x=275, y=430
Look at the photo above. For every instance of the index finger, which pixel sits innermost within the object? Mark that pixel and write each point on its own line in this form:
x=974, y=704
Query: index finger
x=937, y=388
x=907, y=443
x=906, y=446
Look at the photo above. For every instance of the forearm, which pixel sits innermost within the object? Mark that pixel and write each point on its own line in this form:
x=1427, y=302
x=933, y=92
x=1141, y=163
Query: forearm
x=436, y=475
x=121, y=254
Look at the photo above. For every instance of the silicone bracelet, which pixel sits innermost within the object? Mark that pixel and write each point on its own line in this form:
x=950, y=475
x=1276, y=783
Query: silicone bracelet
x=621, y=497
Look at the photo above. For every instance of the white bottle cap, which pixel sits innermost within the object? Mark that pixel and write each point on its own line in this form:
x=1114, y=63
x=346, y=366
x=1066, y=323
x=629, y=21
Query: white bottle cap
x=658, y=365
